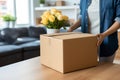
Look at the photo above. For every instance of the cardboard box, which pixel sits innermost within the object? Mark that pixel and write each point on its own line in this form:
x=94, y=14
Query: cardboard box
x=60, y=3
x=38, y=21
x=66, y=52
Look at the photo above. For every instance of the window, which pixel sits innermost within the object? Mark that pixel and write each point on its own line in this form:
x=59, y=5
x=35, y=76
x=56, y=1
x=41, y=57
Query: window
x=22, y=11
x=17, y=8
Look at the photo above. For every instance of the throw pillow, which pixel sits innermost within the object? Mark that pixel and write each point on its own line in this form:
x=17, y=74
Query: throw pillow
x=9, y=35
x=1, y=37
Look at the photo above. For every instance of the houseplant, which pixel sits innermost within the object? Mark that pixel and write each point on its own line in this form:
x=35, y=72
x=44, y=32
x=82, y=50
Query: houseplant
x=54, y=19
x=7, y=19
x=42, y=3
x=13, y=20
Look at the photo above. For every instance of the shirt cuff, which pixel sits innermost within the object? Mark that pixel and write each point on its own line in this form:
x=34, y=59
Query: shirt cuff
x=117, y=19
x=80, y=16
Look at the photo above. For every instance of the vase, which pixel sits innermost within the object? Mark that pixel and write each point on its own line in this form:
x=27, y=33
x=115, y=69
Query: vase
x=7, y=24
x=42, y=5
x=51, y=31
x=12, y=24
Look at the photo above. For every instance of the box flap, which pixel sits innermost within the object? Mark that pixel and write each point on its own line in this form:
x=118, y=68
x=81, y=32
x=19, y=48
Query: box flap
x=59, y=34
x=69, y=35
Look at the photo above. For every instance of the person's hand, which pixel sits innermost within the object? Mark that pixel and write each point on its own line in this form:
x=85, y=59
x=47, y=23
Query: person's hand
x=69, y=30
x=100, y=38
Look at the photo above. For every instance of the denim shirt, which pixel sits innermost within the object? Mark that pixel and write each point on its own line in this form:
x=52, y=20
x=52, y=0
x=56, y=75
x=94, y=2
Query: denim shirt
x=109, y=13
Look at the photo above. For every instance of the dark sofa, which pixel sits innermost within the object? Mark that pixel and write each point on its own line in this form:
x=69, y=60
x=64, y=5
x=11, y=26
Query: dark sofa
x=17, y=44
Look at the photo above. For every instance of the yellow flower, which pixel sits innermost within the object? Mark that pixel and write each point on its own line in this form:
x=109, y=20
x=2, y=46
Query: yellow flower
x=43, y=16
x=47, y=13
x=57, y=14
x=65, y=18
x=51, y=18
x=59, y=11
x=54, y=11
x=44, y=21
x=60, y=17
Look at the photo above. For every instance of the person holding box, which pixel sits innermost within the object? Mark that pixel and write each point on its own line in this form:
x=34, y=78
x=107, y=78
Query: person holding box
x=101, y=17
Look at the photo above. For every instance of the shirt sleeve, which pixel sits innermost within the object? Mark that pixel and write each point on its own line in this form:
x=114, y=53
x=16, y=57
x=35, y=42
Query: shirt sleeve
x=117, y=11
x=80, y=16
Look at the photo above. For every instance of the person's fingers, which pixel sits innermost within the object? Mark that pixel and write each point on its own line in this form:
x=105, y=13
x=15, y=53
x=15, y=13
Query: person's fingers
x=98, y=43
x=98, y=36
x=69, y=30
x=100, y=39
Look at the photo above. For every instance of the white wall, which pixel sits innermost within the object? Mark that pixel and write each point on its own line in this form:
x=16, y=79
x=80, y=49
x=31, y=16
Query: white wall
x=67, y=2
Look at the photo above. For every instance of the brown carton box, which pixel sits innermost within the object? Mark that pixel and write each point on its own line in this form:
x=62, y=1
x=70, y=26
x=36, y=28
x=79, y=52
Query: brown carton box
x=60, y=3
x=66, y=52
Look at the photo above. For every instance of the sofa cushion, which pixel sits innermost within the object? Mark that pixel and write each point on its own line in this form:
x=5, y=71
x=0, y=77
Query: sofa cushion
x=36, y=31
x=31, y=45
x=3, y=43
x=9, y=49
x=9, y=35
x=22, y=32
x=22, y=40
x=31, y=53
x=11, y=59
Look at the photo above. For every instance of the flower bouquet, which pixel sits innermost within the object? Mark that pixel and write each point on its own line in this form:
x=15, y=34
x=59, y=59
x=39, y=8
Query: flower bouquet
x=54, y=19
